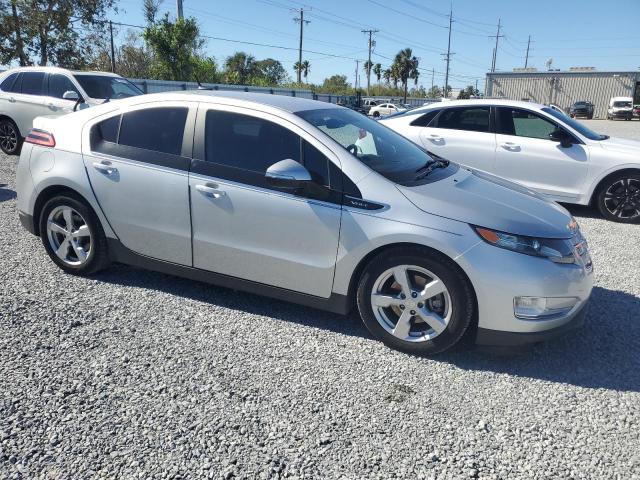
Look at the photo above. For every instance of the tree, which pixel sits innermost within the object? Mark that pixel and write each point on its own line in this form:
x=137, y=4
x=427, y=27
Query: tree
x=468, y=92
x=336, y=84
x=406, y=66
x=377, y=71
x=133, y=60
x=51, y=31
x=175, y=46
x=434, y=92
x=305, y=67
x=269, y=72
x=150, y=9
x=240, y=68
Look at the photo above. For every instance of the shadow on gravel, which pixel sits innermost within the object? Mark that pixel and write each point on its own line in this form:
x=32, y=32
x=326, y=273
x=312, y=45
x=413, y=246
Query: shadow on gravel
x=604, y=354
x=6, y=193
x=582, y=211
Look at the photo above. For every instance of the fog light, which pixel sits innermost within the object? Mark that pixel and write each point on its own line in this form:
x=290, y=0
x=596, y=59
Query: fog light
x=539, y=308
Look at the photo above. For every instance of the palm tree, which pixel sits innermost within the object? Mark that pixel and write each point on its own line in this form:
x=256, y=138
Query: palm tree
x=377, y=71
x=406, y=65
x=240, y=67
x=305, y=67
x=387, y=75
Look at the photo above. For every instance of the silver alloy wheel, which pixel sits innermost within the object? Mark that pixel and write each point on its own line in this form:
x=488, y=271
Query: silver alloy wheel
x=622, y=198
x=411, y=303
x=69, y=235
x=8, y=137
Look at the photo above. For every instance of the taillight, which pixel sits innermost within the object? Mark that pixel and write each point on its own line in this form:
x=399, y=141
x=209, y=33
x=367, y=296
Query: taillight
x=40, y=137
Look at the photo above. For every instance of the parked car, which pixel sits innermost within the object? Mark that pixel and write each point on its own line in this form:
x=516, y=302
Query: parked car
x=386, y=109
x=620, y=107
x=636, y=111
x=535, y=146
x=582, y=109
x=307, y=202
x=28, y=92
x=368, y=103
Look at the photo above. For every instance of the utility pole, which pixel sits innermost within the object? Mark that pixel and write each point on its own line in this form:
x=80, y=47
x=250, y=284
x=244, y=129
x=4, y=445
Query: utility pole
x=495, y=50
x=302, y=21
x=113, y=52
x=526, y=60
x=448, y=56
x=355, y=85
x=179, y=9
x=433, y=74
x=371, y=44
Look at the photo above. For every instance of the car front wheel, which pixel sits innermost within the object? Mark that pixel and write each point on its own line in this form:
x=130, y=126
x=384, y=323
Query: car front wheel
x=72, y=236
x=415, y=300
x=619, y=198
x=10, y=139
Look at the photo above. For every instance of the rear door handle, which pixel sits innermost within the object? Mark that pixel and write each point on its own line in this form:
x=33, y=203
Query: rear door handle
x=105, y=168
x=12, y=100
x=210, y=190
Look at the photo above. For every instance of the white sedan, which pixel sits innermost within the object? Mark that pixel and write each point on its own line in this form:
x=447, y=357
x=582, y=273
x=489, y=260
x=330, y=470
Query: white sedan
x=535, y=146
x=387, y=109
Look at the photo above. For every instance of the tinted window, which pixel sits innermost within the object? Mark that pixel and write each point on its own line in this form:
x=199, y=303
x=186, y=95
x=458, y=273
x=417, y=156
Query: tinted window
x=316, y=163
x=475, y=119
x=105, y=86
x=59, y=84
x=7, y=83
x=157, y=129
x=32, y=83
x=424, y=120
x=523, y=123
x=107, y=130
x=580, y=127
x=246, y=142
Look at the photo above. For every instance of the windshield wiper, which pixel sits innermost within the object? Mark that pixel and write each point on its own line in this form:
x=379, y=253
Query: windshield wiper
x=430, y=167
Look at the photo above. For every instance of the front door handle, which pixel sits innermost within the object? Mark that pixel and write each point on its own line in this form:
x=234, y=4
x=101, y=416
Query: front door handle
x=105, y=168
x=210, y=190
x=12, y=99
x=433, y=136
x=510, y=146
x=51, y=106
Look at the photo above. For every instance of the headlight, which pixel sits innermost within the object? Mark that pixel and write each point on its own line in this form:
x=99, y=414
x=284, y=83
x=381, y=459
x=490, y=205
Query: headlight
x=556, y=250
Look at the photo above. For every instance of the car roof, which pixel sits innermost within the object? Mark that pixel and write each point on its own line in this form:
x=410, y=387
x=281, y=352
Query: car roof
x=479, y=102
x=58, y=70
x=281, y=102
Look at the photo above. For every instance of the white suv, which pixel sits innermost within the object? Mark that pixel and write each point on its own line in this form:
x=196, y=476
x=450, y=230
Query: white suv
x=29, y=92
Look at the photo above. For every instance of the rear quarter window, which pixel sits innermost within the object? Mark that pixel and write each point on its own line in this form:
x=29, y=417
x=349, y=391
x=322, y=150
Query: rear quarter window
x=8, y=83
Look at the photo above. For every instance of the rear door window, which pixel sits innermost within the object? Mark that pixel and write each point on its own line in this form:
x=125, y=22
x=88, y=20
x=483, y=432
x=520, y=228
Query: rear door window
x=32, y=83
x=523, y=123
x=157, y=129
x=474, y=119
x=426, y=119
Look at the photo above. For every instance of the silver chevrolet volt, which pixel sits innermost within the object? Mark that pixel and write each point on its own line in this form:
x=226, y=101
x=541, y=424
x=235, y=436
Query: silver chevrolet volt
x=307, y=202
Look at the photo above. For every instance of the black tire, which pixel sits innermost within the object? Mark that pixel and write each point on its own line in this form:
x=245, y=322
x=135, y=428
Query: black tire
x=607, y=204
x=10, y=139
x=98, y=257
x=376, y=114
x=460, y=291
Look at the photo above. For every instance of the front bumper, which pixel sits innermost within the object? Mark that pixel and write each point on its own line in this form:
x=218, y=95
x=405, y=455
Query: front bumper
x=27, y=222
x=499, y=275
x=493, y=338
x=625, y=114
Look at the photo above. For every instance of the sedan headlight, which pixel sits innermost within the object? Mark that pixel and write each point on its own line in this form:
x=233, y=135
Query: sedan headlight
x=556, y=250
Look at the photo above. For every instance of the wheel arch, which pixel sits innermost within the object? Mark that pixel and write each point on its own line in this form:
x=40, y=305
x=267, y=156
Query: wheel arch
x=595, y=190
x=4, y=116
x=48, y=193
x=366, y=260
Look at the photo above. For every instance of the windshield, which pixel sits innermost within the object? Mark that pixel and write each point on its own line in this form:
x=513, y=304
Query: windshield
x=622, y=104
x=581, y=104
x=102, y=86
x=576, y=125
x=377, y=146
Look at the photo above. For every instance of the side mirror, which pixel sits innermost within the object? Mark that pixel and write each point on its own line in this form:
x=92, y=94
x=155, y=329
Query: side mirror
x=288, y=174
x=561, y=136
x=70, y=95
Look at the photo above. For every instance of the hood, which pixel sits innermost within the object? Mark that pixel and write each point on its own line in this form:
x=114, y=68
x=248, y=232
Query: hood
x=622, y=145
x=488, y=201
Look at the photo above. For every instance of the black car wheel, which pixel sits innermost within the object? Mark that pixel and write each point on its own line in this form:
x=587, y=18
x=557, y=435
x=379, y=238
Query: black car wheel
x=10, y=140
x=619, y=198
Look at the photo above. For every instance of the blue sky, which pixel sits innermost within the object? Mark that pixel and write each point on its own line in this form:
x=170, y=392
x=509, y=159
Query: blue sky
x=572, y=32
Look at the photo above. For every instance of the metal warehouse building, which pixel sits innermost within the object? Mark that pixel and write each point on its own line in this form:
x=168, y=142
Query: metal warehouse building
x=563, y=88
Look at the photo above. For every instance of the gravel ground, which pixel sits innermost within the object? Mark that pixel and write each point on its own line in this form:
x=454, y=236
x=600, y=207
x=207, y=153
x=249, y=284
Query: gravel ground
x=134, y=374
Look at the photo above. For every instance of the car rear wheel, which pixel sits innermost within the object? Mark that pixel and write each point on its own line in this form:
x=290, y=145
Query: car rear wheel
x=10, y=140
x=619, y=198
x=72, y=236
x=415, y=301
